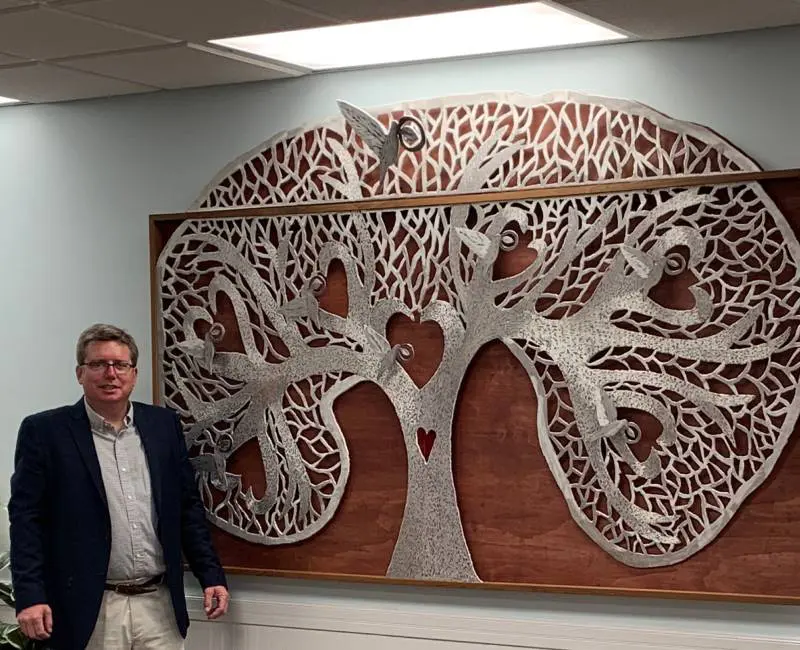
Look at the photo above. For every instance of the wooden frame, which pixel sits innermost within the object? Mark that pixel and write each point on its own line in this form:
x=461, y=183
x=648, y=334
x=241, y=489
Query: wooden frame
x=777, y=181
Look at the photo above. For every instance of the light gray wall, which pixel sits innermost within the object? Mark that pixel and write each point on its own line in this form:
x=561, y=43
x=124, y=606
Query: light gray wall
x=78, y=181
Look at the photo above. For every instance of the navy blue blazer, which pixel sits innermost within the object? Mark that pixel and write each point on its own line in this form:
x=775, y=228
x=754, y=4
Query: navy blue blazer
x=61, y=529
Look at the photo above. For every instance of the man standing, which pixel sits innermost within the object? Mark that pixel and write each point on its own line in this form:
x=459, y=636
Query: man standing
x=103, y=503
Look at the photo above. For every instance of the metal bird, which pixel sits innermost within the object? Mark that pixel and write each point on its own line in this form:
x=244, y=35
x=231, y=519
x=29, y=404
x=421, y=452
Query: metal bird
x=384, y=143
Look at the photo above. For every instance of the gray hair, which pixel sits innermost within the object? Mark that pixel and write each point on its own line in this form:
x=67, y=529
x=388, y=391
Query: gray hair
x=102, y=332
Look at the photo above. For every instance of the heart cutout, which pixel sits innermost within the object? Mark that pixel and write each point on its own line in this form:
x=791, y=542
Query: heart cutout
x=231, y=339
x=223, y=314
x=673, y=291
x=334, y=298
x=425, y=440
x=517, y=258
x=427, y=339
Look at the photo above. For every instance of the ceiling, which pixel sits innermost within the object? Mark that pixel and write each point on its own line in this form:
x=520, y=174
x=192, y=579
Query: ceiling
x=59, y=50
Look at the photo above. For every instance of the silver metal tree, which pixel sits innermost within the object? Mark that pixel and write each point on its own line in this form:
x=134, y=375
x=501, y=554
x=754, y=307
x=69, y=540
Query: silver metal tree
x=720, y=376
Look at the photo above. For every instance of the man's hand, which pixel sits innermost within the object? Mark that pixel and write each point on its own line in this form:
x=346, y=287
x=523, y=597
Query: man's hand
x=36, y=622
x=215, y=602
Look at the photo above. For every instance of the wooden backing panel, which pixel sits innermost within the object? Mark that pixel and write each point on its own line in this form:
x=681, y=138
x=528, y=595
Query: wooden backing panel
x=444, y=199
x=361, y=536
x=516, y=520
x=519, y=528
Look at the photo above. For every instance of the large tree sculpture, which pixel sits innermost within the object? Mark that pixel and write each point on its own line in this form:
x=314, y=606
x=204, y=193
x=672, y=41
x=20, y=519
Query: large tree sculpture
x=584, y=318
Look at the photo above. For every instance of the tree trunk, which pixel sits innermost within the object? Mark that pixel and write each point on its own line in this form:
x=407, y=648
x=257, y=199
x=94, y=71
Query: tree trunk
x=431, y=544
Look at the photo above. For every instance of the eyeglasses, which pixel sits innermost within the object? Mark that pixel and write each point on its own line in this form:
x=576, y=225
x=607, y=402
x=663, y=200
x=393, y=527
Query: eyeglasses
x=122, y=367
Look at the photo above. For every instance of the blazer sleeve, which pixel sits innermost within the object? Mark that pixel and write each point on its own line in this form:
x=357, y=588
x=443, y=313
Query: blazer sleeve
x=27, y=511
x=196, y=538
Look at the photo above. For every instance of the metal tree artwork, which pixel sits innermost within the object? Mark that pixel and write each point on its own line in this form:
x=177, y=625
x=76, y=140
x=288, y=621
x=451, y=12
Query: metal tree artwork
x=587, y=318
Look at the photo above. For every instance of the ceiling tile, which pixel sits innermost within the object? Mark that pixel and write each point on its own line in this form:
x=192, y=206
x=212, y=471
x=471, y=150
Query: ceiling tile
x=198, y=20
x=40, y=82
x=41, y=33
x=361, y=10
x=178, y=66
x=680, y=18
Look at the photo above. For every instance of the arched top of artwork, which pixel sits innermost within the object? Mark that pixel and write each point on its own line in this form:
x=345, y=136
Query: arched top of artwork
x=561, y=137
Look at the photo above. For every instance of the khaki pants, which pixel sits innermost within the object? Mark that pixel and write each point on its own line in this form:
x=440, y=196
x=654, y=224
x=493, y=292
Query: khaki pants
x=141, y=622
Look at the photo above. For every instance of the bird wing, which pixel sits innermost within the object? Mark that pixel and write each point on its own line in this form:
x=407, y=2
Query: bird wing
x=476, y=241
x=367, y=127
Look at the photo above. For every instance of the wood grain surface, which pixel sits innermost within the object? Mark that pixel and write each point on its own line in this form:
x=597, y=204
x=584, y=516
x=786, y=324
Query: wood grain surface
x=516, y=521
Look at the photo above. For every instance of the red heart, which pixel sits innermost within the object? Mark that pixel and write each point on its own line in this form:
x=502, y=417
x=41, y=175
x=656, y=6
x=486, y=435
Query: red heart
x=427, y=339
x=425, y=440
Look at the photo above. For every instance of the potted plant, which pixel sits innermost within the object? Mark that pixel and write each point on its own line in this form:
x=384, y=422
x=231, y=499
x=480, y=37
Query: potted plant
x=10, y=634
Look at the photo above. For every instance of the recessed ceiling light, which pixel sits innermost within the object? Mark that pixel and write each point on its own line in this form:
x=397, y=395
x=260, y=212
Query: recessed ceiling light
x=510, y=28
x=8, y=100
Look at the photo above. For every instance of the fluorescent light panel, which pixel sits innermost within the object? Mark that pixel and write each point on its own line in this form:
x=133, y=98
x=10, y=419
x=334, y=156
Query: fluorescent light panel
x=8, y=100
x=529, y=26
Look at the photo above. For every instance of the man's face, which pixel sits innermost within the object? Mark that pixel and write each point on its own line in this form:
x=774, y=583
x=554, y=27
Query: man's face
x=101, y=382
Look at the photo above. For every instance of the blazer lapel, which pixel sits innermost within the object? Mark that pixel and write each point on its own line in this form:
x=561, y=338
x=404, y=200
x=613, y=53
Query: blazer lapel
x=150, y=441
x=82, y=433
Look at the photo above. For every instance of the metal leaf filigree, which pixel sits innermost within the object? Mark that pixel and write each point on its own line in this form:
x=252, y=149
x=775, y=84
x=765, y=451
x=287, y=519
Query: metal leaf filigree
x=717, y=372
x=563, y=137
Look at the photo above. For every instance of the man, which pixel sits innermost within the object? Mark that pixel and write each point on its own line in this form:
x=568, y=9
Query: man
x=103, y=502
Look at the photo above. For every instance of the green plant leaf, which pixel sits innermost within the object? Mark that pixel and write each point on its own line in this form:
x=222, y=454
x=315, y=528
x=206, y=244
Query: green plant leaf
x=5, y=560
x=7, y=594
x=12, y=637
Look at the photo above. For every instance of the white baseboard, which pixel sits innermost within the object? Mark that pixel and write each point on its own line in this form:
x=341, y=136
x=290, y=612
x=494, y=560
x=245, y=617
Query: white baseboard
x=265, y=620
x=276, y=624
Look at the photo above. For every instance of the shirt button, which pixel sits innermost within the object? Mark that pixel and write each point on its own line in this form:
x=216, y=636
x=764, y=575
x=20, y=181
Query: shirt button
x=124, y=470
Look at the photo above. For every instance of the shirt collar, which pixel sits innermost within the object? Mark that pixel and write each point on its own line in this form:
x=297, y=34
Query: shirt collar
x=97, y=421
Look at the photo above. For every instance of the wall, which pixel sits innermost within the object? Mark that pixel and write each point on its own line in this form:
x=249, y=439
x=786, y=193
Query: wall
x=78, y=180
